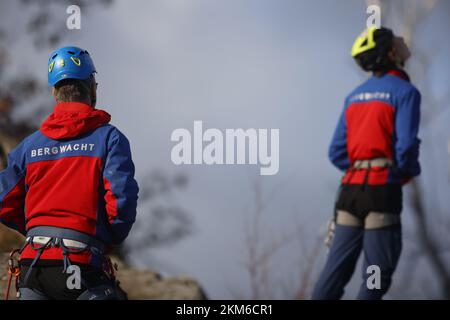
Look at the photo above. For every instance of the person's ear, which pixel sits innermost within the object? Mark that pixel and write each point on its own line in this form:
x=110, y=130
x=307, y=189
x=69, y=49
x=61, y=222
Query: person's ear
x=399, y=52
x=392, y=54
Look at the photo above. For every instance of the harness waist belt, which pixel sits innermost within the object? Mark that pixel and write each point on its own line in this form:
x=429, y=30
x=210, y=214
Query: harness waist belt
x=70, y=238
x=67, y=242
x=377, y=162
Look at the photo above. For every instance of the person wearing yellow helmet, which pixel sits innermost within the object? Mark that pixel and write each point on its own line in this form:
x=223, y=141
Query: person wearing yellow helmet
x=376, y=144
x=379, y=50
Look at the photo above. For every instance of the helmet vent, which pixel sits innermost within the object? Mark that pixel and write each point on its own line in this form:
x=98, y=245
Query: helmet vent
x=71, y=52
x=54, y=56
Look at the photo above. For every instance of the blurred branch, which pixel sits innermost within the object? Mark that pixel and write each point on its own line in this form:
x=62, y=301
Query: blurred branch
x=429, y=245
x=261, y=253
x=411, y=14
x=306, y=276
x=161, y=220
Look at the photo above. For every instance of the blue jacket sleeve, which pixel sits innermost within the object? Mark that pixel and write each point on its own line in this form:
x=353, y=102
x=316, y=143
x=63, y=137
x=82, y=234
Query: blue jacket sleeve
x=121, y=189
x=12, y=191
x=337, y=152
x=407, y=121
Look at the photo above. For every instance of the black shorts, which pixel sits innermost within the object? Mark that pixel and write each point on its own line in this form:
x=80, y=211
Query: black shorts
x=359, y=200
x=51, y=281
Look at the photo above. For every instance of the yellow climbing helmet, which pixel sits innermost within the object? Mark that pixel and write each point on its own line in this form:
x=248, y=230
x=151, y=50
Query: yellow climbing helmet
x=371, y=48
x=364, y=42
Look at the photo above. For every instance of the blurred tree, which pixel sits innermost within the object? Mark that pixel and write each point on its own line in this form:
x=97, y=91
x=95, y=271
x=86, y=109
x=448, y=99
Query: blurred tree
x=431, y=221
x=167, y=222
x=161, y=220
x=262, y=254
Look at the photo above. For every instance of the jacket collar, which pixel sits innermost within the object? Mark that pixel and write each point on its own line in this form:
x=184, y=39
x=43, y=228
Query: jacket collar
x=399, y=73
x=72, y=107
x=72, y=119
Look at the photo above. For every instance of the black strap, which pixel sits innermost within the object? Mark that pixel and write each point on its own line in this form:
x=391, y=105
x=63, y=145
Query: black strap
x=35, y=260
x=366, y=176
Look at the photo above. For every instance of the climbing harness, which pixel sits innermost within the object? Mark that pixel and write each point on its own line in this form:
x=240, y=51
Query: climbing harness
x=71, y=242
x=368, y=164
x=373, y=220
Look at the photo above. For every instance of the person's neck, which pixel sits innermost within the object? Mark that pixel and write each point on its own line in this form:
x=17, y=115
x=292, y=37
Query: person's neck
x=394, y=68
x=87, y=102
x=379, y=74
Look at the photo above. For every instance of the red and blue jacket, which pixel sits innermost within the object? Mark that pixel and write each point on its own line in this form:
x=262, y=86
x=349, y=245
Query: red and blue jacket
x=77, y=173
x=380, y=120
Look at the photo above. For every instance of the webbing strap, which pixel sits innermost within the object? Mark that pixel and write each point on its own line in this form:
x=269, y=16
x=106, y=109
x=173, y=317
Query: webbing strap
x=67, y=264
x=35, y=260
x=62, y=233
x=367, y=164
x=376, y=162
x=374, y=220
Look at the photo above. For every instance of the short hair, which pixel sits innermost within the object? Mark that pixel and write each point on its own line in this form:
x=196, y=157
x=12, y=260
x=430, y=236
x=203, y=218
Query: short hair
x=74, y=90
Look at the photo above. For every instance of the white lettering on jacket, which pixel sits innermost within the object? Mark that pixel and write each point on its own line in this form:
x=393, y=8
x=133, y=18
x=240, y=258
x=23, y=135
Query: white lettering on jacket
x=65, y=148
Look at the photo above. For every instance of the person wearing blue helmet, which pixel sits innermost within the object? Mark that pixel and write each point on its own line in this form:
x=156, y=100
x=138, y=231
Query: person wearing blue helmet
x=72, y=63
x=76, y=175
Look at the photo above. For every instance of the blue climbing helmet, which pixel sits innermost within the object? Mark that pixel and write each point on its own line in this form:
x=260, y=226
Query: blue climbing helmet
x=69, y=63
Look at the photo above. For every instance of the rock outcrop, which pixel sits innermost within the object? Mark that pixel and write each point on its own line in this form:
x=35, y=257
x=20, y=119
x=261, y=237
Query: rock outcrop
x=146, y=284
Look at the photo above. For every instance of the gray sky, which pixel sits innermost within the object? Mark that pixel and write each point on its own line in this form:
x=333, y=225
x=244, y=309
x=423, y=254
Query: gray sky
x=241, y=64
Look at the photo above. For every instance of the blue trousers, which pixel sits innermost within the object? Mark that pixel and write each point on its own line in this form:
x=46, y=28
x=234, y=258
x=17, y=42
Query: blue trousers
x=381, y=247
